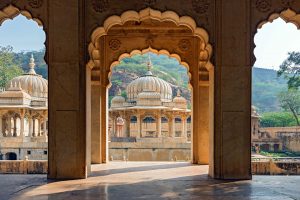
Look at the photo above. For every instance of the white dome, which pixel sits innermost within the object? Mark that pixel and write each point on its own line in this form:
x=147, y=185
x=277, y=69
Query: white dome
x=151, y=83
x=33, y=84
x=149, y=98
x=117, y=101
x=179, y=101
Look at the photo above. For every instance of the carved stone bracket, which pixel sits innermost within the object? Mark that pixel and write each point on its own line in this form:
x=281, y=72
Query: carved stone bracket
x=263, y=5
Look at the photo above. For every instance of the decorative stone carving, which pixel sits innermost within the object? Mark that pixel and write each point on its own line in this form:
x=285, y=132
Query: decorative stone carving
x=35, y=3
x=184, y=45
x=200, y=6
x=263, y=5
x=100, y=5
x=114, y=44
x=287, y=3
x=149, y=2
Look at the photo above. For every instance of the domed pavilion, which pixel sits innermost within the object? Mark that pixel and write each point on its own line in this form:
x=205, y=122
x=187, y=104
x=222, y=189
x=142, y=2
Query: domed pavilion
x=24, y=106
x=150, y=110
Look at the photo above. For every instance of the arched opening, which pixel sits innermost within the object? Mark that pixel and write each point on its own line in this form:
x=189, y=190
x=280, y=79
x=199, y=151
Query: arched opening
x=167, y=33
x=144, y=89
x=274, y=109
x=23, y=85
x=10, y=156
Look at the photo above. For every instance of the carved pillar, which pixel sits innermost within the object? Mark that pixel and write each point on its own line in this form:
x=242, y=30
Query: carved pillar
x=9, y=127
x=158, y=124
x=103, y=115
x=39, y=127
x=127, y=126
x=45, y=127
x=30, y=131
x=172, y=126
x=33, y=127
x=233, y=90
x=138, y=121
x=1, y=126
x=203, y=128
x=22, y=121
x=95, y=124
x=184, y=127
x=15, y=127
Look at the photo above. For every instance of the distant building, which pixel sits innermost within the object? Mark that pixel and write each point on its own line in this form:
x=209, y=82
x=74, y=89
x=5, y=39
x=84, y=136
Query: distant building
x=24, y=117
x=273, y=139
x=150, y=111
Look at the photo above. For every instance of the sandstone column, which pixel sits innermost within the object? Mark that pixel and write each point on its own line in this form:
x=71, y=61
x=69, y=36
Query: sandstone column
x=9, y=127
x=95, y=124
x=1, y=131
x=33, y=127
x=138, y=121
x=30, y=127
x=158, y=124
x=22, y=126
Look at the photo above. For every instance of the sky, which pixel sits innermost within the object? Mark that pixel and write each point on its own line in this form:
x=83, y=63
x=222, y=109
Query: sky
x=22, y=34
x=273, y=41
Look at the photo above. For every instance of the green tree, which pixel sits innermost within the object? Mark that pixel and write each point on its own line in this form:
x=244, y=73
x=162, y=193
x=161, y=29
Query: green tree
x=8, y=68
x=277, y=119
x=290, y=69
x=290, y=101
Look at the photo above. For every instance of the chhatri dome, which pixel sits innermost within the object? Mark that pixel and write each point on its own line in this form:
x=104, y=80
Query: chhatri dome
x=118, y=100
x=150, y=84
x=31, y=83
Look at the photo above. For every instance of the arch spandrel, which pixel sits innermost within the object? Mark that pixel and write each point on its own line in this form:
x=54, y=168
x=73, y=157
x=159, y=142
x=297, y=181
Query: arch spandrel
x=205, y=48
x=37, y=14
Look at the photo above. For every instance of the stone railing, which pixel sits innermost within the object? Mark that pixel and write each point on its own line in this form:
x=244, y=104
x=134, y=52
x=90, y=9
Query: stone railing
x=276, y=166
x=23, y=167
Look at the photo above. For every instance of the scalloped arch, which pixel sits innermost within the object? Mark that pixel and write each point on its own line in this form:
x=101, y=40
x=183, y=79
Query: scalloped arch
x=11, y=12
x=158, y=52
x=148, y=13
x=288, y=15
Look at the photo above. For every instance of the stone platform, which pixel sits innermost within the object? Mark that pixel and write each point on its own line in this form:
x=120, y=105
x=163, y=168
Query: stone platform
x=148, y=180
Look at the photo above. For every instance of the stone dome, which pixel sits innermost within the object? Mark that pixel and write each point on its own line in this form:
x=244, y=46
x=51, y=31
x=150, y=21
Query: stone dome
x=179, y=101
x=118, y=100
x=149, y=82
x=149, y=98
x=33, y=84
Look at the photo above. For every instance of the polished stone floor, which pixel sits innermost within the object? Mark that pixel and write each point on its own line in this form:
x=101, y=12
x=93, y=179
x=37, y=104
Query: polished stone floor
x=148, y=180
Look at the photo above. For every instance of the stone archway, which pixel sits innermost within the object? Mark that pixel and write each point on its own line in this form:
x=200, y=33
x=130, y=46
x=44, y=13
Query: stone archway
x=123, y=36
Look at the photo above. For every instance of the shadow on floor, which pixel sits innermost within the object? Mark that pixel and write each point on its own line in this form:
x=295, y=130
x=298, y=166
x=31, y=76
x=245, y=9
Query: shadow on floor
x=178, y=188
x=139, y=168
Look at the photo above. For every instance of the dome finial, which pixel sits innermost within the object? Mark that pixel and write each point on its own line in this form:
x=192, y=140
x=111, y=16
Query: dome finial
x=31, y=65
x=119, y=93
x=149, y=63
x=178, y=93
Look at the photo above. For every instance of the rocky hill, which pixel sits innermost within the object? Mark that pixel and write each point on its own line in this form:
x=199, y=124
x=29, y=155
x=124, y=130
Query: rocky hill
x=167, y=69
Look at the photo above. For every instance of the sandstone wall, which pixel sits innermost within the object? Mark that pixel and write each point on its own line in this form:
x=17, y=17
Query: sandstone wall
x=151, y=151
x=23, y=167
